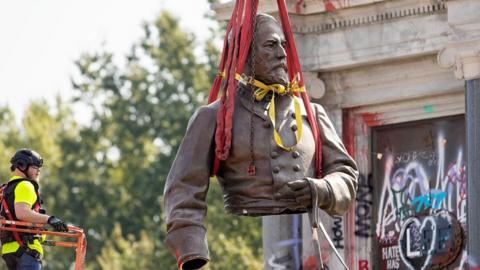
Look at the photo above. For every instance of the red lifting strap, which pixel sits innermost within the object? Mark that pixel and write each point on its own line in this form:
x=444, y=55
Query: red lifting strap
x=294, y=69
x=236, y=46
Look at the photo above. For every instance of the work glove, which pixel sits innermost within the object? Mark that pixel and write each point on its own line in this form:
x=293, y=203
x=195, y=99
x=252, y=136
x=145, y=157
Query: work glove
x=301, y=192
x=57, y=224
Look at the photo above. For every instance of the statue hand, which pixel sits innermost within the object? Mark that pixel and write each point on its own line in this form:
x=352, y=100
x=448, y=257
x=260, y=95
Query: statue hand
x=298, y=190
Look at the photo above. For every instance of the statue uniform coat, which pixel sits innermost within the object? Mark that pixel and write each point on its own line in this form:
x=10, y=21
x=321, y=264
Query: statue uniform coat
x=187, y=183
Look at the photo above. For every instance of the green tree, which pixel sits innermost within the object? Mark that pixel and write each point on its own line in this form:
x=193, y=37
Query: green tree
x=140, y=113
x=9, y=137
x=109, y=177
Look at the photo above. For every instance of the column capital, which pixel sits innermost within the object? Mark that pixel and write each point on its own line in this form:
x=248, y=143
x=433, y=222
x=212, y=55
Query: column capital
x=463, y=58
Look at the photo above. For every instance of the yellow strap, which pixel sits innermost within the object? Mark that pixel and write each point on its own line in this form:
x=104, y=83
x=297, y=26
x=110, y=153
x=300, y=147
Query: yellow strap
x=260, y=93
x=298, y=120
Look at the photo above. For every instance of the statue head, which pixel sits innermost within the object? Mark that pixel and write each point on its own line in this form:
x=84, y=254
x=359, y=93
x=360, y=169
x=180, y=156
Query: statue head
x=267, y=58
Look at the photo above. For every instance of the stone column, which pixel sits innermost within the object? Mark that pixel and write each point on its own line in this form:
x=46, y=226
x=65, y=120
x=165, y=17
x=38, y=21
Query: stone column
x=473, y=166
x=464, y=59
x=471, y=66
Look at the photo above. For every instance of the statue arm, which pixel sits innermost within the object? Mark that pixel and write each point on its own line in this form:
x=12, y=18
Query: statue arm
x=186, y=189
x=340, y=174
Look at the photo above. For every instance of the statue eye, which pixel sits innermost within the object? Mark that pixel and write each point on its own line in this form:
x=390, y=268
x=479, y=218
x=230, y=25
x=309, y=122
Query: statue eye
x=269, y=44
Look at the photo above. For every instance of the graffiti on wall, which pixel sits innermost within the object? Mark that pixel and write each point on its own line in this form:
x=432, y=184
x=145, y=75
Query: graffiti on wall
x=391, y=255
x=363, y=265
x=430, y=242
x=421, y=205
x=409, y=192
x=337, y=232
x=287, y=253
x=331, y=5
x=328, y=5
x=363, y=209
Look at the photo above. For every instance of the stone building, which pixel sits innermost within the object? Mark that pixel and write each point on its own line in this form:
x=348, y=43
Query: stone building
x=392, y=76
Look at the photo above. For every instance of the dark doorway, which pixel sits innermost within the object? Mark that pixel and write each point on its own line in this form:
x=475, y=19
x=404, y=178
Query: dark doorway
x=419, y=176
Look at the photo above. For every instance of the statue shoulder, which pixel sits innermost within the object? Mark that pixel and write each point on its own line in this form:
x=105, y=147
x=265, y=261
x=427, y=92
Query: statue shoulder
x=318, y=109
x=205, y=114
x=212, y=107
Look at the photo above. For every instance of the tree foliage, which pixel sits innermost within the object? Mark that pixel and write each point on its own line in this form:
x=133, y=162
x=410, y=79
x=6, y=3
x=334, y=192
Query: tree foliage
x=108, y=177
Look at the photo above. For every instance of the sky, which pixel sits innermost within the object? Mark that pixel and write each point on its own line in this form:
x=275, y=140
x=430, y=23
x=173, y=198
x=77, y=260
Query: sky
x=41, y=39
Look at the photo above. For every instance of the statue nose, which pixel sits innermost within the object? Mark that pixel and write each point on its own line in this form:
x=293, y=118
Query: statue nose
x=280, y=52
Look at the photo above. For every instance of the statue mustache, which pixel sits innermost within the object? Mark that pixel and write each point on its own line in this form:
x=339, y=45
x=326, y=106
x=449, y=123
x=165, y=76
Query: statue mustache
x=282, y=64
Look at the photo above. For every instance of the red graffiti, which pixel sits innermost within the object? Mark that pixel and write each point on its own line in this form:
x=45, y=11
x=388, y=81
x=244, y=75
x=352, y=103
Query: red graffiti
x=298, y=6
x=371, y=119
x=362, y=265
x=310, y=263
x=348, y=133
x=329, y=6
x=332, y=5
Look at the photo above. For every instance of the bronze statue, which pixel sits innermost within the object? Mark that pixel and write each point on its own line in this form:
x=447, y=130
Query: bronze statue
x=284, y=161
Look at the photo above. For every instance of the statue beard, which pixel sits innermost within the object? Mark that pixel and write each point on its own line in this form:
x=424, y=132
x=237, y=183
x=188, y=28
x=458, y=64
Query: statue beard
x=275, y=75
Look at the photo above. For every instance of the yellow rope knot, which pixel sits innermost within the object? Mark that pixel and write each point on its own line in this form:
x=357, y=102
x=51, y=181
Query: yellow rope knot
x=260, y=93
x=277, y=89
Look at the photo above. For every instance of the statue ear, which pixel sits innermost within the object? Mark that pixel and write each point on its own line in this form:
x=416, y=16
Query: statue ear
x=248, y=66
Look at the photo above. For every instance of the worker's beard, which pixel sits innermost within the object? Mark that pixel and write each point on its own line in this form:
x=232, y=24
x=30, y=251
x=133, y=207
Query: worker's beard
x=32, y=176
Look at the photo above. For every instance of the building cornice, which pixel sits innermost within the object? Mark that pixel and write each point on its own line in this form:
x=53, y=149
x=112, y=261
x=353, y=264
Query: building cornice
x=373, y=14
x=301, y=7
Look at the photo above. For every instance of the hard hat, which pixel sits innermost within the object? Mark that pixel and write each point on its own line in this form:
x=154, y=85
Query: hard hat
x=24, y=158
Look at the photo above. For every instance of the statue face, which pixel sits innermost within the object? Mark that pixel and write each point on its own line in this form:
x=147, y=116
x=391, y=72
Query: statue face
x=270, y=58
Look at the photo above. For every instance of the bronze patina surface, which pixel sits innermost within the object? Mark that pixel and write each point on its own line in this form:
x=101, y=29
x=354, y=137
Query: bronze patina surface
x=279, y=185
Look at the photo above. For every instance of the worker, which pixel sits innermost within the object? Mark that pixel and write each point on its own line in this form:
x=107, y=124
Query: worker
x=21, y=201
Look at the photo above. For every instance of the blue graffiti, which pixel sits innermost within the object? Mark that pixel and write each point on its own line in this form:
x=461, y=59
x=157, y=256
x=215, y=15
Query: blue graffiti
x=293, y=258
x=430, y=200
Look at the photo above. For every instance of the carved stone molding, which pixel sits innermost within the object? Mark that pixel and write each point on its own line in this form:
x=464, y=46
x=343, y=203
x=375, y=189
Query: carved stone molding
x=463, y=58
x=315, y=86
x=337, y=22
x=342, y=17
x=415, y=78
x=224, y=10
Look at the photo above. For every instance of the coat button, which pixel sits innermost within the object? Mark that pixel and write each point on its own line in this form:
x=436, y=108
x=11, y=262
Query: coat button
x=296, y=167
x=295, y=154
x=276, y=169
x=294, y=127
x=267, y=124
x=274, y=154
x=292, y=115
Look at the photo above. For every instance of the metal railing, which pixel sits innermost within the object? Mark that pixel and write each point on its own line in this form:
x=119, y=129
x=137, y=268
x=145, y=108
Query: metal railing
x=80, y=243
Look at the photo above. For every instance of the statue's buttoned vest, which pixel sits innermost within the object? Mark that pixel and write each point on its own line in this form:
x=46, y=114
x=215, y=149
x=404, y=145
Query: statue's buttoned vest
x=254, y=194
